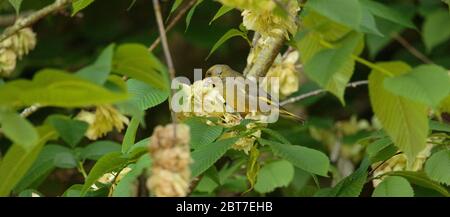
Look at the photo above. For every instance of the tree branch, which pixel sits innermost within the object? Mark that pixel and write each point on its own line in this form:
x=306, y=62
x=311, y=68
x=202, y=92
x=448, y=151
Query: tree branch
x=318, y=92
x=33, y=18
x=411, y=49
x=168, y=57
x=174, y=21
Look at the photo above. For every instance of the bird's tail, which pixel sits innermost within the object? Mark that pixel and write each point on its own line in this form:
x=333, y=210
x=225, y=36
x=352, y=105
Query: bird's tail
x=286, y=114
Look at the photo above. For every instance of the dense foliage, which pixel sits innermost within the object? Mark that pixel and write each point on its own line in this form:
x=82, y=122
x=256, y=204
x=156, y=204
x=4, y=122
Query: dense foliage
x=83, y=99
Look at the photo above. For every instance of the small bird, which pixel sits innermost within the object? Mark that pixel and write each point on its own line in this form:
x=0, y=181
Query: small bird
x=223, y=71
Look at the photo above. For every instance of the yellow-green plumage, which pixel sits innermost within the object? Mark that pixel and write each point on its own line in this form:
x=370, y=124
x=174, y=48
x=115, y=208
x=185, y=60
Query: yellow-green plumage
x=224, y=71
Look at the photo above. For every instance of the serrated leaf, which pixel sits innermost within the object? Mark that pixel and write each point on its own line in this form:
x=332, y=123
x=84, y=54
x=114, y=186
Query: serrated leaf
x=18, y=129
x=230, y=34
x=369, y=24
x=105, y=164
x=332, y=68
x=51, y=87
x=17, y=161
x=222, y=11
x=438, y=167
x=387, y=13
x=433, y=33
x=405, y=121
x=201, y=133
x=350, y=186
x=135, y=61
x=339, y=11
x=428, y=84
x=438, y=126
x=307, y=159
x=145, y=96
x=206, y=156
x=130, y=134
x=393, y=186
x=127, y=185
x=79, y=5
x=274, y=175
x=16, y=5
x=71, y=131
x=96, y=150
x=420, y=179
x=98, y=71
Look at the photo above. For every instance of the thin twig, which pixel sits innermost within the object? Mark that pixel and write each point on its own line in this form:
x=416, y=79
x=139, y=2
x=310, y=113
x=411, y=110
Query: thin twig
x=9, y=19
x=318, y=92
x=30, y=110
x=173, y=21
x=411, y=49
x=34, y=17
x=168, y=57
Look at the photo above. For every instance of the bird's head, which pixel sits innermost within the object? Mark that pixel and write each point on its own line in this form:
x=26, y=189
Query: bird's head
x=219, y=70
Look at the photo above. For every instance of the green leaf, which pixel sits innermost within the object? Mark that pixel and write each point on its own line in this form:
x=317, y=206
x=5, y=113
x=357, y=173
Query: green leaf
x=96, y=150
x=105, y=164
x=98, y=72
x=50, y=157
x=253, y=166
x=438, y=167
x=71, y=131
x=127, y=185
x=145, y=96
x=206, y=156
x=393, y=186
x=381, y=149
x=405, y=121
x=16, y=4
x=387, y=13
x=448, y=3
x=222, y=11
x=350, y=186
x=274, y=175
x=339, y=11
x=79, y=5
x=420, y=179
x=134, y=60
x=307, y=159
x=438, y=126
x=433, y=32
x=51, y=87
x=191, y=13
x=175, y=6
x=368, y=23
x=230, y=34
x=201, y=133
x=17, y=161
x=428, y=84
x=324, y=67
x=18, y=129
x=130, y=134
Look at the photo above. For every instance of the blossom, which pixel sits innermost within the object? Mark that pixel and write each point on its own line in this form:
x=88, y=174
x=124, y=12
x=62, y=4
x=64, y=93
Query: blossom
x=284, y=69
x=169, y=149
x=7, y=62
x=105, y=119
x=399, y=163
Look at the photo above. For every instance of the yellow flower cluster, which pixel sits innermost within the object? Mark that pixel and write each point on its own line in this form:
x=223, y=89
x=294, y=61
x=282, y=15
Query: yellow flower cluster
x=171, y=158
x=105, y=119
x=285, y=70
x=400, y=162
x=260, y=16
x=15, y=47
